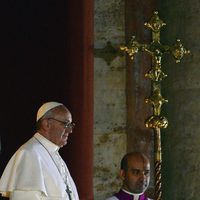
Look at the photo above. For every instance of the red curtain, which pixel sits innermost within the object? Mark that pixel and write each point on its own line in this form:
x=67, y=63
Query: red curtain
x=80, y=62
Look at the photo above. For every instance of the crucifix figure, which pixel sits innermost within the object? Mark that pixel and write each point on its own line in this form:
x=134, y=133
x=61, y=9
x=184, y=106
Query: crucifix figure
x=156, y=50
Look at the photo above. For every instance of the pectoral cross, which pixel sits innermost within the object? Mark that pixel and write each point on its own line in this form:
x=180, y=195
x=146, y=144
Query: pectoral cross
x=156, y=50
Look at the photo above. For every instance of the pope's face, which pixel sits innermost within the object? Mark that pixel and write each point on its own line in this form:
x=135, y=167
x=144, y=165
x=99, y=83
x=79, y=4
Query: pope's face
x=136, y=178
x=58, y=133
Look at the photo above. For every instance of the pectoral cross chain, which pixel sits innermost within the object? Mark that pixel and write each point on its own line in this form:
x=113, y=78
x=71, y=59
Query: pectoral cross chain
x=69, y=192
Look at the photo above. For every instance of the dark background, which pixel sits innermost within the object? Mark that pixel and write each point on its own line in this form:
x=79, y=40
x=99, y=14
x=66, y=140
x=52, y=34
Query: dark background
x=46, y=55
x=33, y=65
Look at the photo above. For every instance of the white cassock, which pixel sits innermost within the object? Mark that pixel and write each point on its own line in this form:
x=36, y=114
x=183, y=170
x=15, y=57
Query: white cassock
x=33, y=173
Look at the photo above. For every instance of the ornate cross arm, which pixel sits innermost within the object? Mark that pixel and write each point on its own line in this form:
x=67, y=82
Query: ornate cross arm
x=178, y=51
x=133, y=47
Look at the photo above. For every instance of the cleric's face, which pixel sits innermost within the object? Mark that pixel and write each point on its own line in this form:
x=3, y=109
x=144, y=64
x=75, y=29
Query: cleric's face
x=60, y=128
x=136, y=178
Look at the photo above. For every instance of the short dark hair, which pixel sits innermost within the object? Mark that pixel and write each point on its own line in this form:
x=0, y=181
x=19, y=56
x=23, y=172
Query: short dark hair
x=124, y=161
x=45, y=116
x=38, y=125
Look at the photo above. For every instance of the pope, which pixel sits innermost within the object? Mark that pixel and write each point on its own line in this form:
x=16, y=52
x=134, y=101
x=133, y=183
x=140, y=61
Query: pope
x=36, y=171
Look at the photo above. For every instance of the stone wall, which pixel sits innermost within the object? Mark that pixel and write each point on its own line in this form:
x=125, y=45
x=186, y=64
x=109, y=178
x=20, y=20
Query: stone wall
x=181, y=139
x=109, y=98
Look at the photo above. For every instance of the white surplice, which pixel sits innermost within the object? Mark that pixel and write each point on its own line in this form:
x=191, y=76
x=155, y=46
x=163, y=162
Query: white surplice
x=32, y=173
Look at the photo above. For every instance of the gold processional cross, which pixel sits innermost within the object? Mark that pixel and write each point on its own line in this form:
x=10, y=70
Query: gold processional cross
x=156, y=50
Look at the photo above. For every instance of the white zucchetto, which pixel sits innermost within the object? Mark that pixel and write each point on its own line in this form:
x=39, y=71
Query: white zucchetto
x=46, y=107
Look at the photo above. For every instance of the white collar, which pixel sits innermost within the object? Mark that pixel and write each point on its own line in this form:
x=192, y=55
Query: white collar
x=136, y=195
x=50, y=146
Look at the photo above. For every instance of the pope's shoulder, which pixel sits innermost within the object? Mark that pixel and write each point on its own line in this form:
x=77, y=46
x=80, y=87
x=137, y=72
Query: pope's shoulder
x=31, y=147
